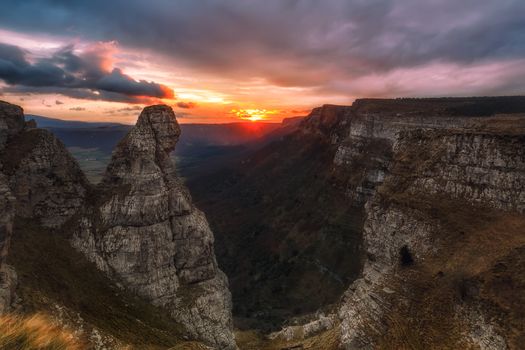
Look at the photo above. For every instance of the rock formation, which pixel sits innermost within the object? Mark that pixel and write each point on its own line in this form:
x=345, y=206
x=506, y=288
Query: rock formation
x=443, y=174
x=43, y=177
x=39, y=180
x=143, y=231
x=11, y=123
x=442, y=184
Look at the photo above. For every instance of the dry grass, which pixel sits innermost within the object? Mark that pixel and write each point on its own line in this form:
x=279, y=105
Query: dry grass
x=35, y=332
x=50, y=272
x=472, y=243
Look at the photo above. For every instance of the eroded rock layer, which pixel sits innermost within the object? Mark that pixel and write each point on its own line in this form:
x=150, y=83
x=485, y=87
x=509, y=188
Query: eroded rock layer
x=142, y=230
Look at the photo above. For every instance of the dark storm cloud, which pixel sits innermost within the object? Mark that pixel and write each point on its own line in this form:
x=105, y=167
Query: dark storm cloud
x=79, y=93
x=85, y=75
x=287, y=42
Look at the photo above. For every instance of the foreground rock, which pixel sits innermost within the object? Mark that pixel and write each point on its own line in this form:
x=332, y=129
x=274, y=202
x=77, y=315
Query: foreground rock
x=43, y=177
x=143, y=231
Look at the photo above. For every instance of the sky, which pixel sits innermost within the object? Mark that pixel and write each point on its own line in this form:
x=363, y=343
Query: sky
x=217, y=61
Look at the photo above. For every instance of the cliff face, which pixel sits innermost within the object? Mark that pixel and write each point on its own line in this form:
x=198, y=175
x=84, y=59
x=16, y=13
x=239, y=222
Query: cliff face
x=43, y=177
x=7, y=273
x=38, y=179
x=443, y=209
x=442, y=186
x=143, y=231
x=366, y=132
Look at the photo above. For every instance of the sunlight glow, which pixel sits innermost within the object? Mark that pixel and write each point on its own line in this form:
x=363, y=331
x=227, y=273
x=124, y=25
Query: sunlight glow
x=255, y=114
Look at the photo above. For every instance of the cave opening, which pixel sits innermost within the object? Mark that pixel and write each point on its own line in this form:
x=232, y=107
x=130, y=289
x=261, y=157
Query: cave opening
x=405, y=256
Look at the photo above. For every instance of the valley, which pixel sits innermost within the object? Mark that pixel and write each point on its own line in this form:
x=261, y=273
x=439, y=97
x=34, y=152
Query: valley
x=385, y=224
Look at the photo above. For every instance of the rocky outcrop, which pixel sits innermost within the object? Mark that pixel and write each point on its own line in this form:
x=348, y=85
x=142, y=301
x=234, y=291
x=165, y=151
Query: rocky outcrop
x=143, y=231
x=38, y=179
x=43, y=177
x=11, y=121
x=475, y=165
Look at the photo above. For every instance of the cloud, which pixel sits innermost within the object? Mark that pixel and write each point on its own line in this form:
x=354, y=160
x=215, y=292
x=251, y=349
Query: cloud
x=118, y=82
x=83, y=74
x=78, y=109
x=131, y=110
x=58, y=102
x=311, y=44
x=186, y=105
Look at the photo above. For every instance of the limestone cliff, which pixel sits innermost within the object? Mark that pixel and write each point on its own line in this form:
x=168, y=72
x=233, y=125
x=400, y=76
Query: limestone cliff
x=442, y=185
x=441, y=218
x=142, y=230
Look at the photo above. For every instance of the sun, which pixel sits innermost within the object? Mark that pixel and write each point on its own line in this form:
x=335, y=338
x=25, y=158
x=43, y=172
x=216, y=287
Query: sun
x=253, y=114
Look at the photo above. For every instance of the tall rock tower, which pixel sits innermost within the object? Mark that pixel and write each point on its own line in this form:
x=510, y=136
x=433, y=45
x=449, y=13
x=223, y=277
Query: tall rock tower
x=143, y=231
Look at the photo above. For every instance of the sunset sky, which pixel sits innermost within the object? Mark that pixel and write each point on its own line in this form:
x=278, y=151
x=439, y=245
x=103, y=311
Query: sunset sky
x=223, y=60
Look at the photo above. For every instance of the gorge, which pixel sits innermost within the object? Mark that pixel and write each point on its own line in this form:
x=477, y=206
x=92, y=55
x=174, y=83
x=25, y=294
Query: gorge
x=385, y=224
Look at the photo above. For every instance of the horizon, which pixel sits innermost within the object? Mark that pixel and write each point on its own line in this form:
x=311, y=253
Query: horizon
x=238, y=121
x=221, y=61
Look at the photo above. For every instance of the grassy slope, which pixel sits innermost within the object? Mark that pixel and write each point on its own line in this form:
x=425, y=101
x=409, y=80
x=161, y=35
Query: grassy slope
x=51, y=272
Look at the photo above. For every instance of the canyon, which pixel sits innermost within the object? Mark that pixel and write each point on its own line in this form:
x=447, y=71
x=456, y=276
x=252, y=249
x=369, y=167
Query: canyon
x=385, y=224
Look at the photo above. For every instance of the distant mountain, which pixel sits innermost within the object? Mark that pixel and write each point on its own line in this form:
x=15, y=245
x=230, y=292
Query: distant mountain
x=46, y=122
x=225, y=134
x=192, y=134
